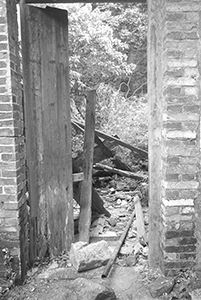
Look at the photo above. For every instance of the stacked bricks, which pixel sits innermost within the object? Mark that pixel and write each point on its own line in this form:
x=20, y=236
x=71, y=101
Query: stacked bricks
x=180, y=155
x=13, y=207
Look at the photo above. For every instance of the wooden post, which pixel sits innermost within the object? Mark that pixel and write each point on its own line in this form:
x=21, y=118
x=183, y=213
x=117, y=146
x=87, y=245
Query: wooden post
x=48, y=129
x=86, y=186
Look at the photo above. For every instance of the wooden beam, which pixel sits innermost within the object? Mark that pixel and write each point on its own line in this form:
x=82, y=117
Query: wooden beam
x=78, y=177
x=108, y=153
x=120, y=172
x=86, y=185
x=82, y=1
x=119, y=142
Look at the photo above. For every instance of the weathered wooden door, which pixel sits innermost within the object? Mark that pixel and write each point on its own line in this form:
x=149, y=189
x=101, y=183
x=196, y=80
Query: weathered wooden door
x=48, y=128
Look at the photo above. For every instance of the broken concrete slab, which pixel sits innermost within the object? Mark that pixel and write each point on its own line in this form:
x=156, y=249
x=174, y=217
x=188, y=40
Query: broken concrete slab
x=88, y=290
x=85, y=257
x=161, y=286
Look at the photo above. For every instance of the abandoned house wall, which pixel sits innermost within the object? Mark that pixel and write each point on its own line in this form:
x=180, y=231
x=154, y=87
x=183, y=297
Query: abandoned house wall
x=174, y=92
x=13, y=207
x=174, y=95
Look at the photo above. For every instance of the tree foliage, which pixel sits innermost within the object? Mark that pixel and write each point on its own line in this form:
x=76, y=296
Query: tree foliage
x=105, y=44
x=107, y=51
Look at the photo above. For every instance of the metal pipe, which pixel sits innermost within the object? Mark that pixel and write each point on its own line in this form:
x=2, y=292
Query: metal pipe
x=120, y=242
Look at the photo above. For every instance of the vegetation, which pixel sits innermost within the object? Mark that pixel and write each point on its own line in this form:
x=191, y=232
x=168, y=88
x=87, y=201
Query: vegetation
x=108, y=52
x=107, y=47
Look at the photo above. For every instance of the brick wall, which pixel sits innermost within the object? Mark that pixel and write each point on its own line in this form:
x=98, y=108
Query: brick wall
x=13, y=207
x=179, y=160
x=174, y=95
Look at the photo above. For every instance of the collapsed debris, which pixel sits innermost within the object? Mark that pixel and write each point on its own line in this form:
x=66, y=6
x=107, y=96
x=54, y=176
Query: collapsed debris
x=102, y=216
x=103, y=150
x=161, y=285
x=121, y=240
x=120, y=172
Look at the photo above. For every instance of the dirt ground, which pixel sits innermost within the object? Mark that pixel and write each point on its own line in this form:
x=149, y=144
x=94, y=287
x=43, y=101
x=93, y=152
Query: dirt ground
x=51, y=281
x=130, y=277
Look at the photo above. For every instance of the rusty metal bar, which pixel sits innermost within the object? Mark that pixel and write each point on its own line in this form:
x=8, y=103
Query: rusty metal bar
x=120, y=242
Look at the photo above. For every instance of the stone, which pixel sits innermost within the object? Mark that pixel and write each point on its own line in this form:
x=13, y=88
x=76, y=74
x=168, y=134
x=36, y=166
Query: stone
x=85, y=289
x=53, y=265
x=112, y=221
x=161, y=286
x=138, y=248
x=118, y=202
x=128, y=197
x=130, y=260
x=124, y=203
x=127, y=249
x=85, y=257
x=120, y=195
x=97, y=226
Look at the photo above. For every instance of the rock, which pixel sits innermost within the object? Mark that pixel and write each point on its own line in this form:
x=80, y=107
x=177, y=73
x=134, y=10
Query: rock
x=32, y=271
x=112, y=190
x=85, y=257
x=119, y=195
x=109, y=236
x=112, y=221
x=128, y=197
x=137, y=248
x=124, y=203
x=126, y=249
x=120, y=186
x=53, y=265
x=118, y=202
x=97, y=226
x=84, y=289
x=112, y=183
x=130, y=260
x=161, y=285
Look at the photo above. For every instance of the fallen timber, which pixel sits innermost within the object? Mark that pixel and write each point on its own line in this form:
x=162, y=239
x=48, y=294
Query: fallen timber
x=97, y=205
x=118, y=171
x=120, y=242
x=100, y=134
x=102, y=151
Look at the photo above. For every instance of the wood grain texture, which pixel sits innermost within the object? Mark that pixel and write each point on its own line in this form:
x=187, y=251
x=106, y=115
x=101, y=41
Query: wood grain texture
x=157, y=12
x=86, y=185
x=48, y=126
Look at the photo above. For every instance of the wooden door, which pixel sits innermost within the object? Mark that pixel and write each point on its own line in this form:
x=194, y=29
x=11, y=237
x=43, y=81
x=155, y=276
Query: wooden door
x=48, y=128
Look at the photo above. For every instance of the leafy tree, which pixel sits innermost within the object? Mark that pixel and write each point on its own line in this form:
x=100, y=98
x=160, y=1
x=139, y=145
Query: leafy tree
x=107, y=47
